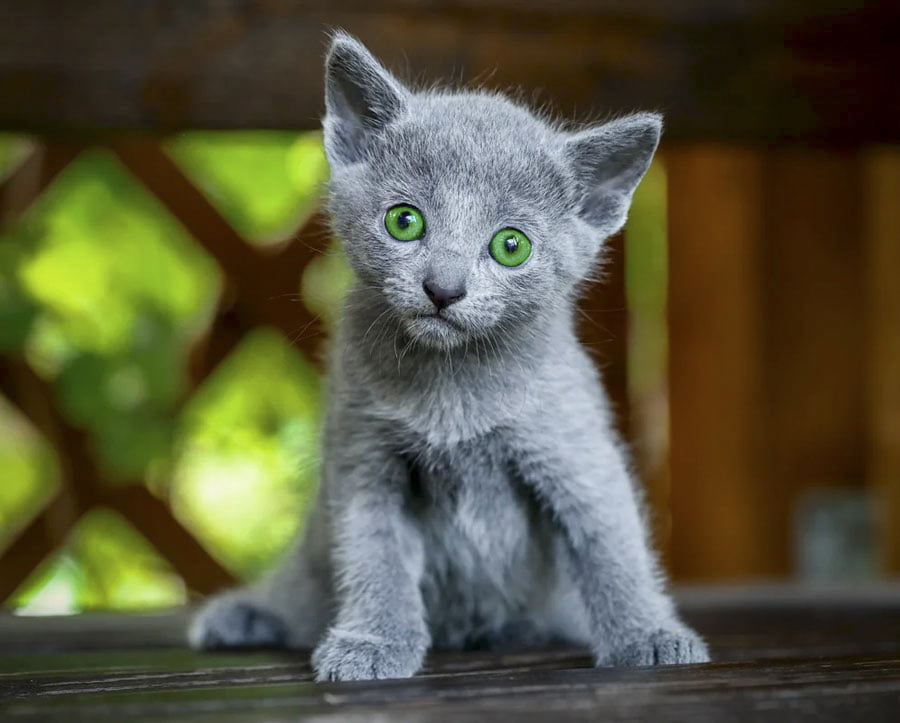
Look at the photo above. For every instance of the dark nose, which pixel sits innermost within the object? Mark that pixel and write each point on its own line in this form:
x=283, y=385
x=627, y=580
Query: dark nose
x=442, y=297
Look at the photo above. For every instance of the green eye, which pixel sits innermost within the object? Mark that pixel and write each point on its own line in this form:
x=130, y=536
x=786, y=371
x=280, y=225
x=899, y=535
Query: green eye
x=510, y=247
x=405, y=223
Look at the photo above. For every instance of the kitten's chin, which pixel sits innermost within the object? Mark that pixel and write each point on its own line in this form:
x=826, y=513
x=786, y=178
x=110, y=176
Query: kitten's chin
x=435, y=332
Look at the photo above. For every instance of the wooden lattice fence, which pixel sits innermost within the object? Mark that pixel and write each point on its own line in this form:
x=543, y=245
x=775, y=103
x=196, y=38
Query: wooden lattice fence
x=260, y=289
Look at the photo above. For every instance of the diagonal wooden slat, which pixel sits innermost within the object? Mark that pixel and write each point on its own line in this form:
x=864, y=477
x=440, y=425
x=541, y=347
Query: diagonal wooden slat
x=161, y=175
x=264, y=284
x=153, y=519
x=24, y=185
x=35, y=399
x=33, y=544
x=85, y=487
x=225, y=332
x=47, y=530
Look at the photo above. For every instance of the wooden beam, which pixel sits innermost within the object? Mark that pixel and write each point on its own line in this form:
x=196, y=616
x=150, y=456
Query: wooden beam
x=813, y=290
x=881, y=181
x=751, y=70
x=767, y=349
x=718, y=505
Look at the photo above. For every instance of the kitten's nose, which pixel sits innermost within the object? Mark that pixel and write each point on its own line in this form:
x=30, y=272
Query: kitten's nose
x=442, y=297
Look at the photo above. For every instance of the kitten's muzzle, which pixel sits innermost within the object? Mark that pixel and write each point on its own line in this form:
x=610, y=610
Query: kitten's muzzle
x=441, y=297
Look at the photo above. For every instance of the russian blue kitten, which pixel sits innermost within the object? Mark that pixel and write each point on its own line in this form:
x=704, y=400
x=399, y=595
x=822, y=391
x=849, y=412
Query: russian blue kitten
x=473, y=493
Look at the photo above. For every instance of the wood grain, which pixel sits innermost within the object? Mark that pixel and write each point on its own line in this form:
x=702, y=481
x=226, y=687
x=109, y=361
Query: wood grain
x=783, y=653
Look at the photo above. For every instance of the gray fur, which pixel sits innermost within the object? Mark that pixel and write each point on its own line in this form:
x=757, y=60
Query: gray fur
x=473, y=491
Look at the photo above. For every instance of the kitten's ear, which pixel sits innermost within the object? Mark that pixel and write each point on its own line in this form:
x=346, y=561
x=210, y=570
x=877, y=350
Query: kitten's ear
x=361, y=98
x=609, y=162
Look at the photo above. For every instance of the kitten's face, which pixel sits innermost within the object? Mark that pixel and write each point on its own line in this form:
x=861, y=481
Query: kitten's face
x=468, y=215
x=469, y=168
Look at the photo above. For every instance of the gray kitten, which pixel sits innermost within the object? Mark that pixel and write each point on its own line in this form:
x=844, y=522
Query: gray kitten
x=473, y=493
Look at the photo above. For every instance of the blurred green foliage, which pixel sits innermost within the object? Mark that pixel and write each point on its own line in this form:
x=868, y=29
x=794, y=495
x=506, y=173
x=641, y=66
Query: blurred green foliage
x=646, y=282
x=106, y=564
x=103, y=292
x=27, y=471
x=263, y=182
x=118, y=289
x=246, y=461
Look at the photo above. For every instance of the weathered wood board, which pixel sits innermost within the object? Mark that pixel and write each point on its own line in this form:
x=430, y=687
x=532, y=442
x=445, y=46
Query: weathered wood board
x=782, y=654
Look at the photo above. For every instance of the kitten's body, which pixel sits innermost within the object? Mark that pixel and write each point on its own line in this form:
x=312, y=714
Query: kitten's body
x=490, y=553
x=473, y=493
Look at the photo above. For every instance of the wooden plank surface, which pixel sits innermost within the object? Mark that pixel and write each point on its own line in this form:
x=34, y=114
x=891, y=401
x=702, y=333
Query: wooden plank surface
x=749, y=70
x=782, y=654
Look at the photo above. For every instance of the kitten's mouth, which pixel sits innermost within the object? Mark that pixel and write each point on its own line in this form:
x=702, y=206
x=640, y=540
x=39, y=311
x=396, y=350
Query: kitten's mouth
x=437, y=318
x=436, y=330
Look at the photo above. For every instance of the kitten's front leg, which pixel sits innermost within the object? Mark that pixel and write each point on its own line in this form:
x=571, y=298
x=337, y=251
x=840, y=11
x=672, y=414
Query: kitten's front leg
x=379, y=630
x=585, y=486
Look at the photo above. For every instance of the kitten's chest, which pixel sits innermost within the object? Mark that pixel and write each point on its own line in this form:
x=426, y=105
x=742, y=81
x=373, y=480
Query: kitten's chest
x=471, y=507
x=486, y=543
x=447, y=411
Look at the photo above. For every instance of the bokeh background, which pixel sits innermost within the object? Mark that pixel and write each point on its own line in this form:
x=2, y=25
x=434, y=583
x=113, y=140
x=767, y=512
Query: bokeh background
x=167, y=282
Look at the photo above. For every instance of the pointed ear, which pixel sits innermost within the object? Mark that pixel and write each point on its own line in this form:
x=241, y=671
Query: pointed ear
x=609, y=162
x=361, y=98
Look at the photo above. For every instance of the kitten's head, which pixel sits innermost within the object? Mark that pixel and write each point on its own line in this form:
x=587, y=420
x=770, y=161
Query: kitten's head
x=465, y=212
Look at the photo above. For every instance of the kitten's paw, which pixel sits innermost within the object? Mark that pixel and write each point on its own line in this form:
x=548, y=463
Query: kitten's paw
x=232, y=623
x=347, y=656
x=666, y=646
